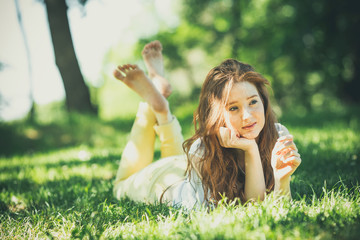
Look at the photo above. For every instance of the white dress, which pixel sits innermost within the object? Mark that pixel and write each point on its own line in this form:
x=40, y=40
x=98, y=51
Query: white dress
x=189, y=193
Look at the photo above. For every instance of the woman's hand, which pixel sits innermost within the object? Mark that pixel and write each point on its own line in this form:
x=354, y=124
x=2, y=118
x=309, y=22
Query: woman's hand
x=285, y=159
x=228, y=138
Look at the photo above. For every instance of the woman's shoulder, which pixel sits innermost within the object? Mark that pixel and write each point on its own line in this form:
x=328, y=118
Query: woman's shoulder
x=197, y=148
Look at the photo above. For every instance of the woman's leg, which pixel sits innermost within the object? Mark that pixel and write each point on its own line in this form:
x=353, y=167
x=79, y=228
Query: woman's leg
x=171, y=138
x=134, y=183
x=148, y=183
x=152, y=55
x=169, y=132
x=139, y=150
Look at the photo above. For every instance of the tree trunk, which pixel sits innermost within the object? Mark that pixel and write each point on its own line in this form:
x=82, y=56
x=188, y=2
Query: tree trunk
x=28, y=57
x=77, y=93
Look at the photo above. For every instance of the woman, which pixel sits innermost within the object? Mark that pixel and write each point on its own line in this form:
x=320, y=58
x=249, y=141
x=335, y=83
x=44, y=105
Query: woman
x=238, y=150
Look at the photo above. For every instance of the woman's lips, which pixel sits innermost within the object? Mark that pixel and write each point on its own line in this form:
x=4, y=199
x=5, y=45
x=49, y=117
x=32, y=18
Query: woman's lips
x=249, y=126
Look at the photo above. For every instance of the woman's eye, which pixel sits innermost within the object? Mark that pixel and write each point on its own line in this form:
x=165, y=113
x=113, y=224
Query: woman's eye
x=233, y=109
x=253, y=102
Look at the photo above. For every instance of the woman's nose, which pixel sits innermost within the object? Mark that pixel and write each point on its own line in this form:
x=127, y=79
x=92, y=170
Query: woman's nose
x=246, y=114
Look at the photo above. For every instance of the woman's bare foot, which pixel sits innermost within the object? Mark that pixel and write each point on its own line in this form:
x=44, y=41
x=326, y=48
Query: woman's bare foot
x=154, y=63
x=136, y=79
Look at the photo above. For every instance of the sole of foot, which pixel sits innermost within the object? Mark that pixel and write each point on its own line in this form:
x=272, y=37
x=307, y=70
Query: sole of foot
x=135, y=79
x=152, y=55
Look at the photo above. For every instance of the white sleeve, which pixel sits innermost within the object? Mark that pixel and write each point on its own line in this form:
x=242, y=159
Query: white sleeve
x=197, y=148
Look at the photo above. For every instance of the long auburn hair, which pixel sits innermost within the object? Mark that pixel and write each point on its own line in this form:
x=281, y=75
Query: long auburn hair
x=219, y=167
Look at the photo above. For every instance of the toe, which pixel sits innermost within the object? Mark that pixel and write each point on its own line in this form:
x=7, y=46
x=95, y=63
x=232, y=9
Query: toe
x=127, y=67
x=157, y=45
x=121, y=69
x=117, y=74
x=134, y=66
x=147, y=48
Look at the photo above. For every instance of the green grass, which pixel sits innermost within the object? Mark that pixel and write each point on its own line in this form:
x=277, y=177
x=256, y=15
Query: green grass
x=56, y=182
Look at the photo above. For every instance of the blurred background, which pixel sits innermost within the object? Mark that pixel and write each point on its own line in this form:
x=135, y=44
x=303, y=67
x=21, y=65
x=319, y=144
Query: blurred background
x=57, y=58
x=60, y=54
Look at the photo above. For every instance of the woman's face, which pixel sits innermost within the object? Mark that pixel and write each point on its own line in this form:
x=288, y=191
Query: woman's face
x=245, y=110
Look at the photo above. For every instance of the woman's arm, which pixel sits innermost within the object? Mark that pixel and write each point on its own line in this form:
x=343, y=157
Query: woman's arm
x=254, y=175
x=285, y=160
x=282, y=187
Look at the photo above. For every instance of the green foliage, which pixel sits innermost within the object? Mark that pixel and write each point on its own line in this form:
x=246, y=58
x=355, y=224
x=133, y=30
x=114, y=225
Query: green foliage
x=55, y=189
x=56, y=173
x=307, y=49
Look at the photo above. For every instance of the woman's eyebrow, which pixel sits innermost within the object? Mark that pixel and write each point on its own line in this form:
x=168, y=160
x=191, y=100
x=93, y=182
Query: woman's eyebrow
x=230, y=103
x=255, y=95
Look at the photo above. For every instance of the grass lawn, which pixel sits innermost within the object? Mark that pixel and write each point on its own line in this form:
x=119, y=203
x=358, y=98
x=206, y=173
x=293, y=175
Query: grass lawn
x=56, y=182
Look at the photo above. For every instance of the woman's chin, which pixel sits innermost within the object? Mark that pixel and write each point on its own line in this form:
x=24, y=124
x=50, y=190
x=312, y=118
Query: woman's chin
x=250, y=136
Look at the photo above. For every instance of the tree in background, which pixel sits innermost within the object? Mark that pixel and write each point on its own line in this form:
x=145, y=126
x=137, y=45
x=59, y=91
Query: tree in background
x=311, y=49
x=27, y=49
x=209, y=32
x=308, y=49
x=2, y=100
x=77, y=93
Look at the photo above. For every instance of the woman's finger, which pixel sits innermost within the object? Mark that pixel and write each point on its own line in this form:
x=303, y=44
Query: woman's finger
x=220, y=136
x=280, y=142
x=289, y=152
x=293, y=160
x=228, y=123
x=224, y=136
x=279, y=164
x=287, y=149
x=285, y=138
x=282, y=147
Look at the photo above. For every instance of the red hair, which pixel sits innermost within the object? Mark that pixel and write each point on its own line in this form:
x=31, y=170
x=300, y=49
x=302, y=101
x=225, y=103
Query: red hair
x=219, y=167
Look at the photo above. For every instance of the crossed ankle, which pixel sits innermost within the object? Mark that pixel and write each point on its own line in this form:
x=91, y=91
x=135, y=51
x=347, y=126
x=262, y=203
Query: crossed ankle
x=155, y=75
